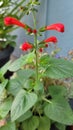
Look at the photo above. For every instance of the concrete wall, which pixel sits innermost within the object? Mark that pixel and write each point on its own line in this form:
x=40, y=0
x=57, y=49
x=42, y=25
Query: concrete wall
x=62, y=11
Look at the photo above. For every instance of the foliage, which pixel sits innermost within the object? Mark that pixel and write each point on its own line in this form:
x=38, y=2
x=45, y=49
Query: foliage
x=8, y=7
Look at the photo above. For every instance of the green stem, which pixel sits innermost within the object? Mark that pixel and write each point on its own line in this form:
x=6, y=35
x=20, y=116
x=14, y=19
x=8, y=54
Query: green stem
x=46, y=100
x=36, y=47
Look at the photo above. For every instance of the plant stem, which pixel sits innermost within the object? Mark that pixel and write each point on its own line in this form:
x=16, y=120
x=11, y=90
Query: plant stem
x=36, y=47
x=46, y=100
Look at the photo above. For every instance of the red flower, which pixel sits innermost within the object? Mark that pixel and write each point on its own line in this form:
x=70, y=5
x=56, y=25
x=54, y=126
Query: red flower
x=34, y=31
x=26, y=46
x=51, y=39
x=46, y=45
x=41, y=49
x=57, y=26
x=13, y=21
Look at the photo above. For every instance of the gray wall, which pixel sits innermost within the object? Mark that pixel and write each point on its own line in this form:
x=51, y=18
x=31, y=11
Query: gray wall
x=62, y=11
x=51, y=11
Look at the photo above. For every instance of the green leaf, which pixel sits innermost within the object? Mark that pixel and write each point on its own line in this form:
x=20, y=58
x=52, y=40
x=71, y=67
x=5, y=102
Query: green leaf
x=28, y=84
x=25, y=74
x=20, y=81
x=25, y=116
x=9, y=126
x=25, y=78
x=11, y=43
x=14, y=86
x=60, y=126
x=11, y=37
x=17, y=64
x=39, y=88
x=59, y=111
x=56, y=68
x=5, y=107
x=31, y=124
x=4, y=69
x=44, y=123
x=22, y=103
x=3, y=85
x=57, y=91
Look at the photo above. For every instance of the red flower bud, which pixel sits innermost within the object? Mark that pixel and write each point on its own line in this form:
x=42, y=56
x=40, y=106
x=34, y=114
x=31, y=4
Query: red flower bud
x=34, y=31
x=26, y=46
x=41, y=49
x=57, y=26
x=13, y=21
x=51, y=39
x=46, y=45
x=29, y=30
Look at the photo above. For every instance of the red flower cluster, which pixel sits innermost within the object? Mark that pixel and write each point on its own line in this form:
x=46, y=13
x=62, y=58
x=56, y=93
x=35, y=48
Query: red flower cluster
x=13, y=21
x=26, y=46
x=52, y=39
x=58, y=27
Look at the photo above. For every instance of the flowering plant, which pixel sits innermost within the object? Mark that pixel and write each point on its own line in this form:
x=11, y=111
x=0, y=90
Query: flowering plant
x=36, y=96
x=8, y=8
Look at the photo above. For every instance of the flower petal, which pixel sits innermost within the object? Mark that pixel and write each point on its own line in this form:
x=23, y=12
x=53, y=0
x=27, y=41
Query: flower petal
x=57, y=26
x=13, y=21
x=26, y=46
x=51, y=39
